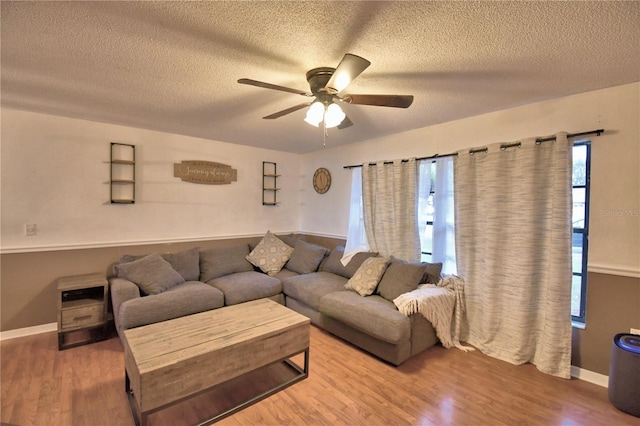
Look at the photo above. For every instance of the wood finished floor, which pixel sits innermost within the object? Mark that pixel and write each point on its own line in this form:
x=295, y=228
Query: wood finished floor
x=85, y=386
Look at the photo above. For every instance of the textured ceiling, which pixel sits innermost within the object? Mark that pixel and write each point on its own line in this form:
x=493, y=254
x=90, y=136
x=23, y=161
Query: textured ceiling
x=174, y=66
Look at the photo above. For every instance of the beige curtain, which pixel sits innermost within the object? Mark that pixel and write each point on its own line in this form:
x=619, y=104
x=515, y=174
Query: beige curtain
x=390, y=197
x=513, y=242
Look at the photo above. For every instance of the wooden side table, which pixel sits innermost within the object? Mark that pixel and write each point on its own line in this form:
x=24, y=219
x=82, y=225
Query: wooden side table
x=82, y=305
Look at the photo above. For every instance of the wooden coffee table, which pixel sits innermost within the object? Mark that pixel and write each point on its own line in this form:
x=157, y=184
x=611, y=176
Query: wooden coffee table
x=173, y=360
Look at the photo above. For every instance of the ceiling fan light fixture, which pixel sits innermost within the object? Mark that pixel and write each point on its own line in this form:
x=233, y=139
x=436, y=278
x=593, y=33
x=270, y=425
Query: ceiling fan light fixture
x=334, y=115
x=315, y=114
x=325, y=84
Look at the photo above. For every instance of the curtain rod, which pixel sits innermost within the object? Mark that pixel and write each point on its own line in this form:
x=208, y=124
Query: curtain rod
x=596, y=132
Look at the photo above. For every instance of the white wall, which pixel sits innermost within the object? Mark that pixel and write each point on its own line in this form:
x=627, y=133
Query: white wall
x=55, y=174
x=615, y=177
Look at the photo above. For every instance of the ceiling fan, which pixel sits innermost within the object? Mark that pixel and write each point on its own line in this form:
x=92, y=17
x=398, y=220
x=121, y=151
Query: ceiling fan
x=326, y=85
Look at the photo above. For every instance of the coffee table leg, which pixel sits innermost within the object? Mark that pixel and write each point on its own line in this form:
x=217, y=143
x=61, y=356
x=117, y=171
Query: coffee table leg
x=138, y=420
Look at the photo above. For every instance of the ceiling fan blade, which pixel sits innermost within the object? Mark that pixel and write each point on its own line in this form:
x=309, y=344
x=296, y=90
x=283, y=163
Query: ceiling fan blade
x=272, y=86
x=349, y=68
x=287, y=111
x=345, y=123
x=397, y=101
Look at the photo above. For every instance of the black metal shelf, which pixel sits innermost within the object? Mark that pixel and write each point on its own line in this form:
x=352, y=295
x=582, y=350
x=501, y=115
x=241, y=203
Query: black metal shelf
x=126, y=194
x=270, y=183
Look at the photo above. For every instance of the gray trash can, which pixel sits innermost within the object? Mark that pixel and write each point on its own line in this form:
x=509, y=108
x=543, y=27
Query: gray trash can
x=624, y=373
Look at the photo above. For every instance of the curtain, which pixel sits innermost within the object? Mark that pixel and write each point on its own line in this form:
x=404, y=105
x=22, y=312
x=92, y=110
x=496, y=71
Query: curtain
x=390, y=197
x=444, y=239
x=513, y=243
x=356, y=235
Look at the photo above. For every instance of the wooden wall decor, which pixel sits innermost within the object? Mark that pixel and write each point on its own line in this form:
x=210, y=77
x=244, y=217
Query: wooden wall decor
x=205, y=172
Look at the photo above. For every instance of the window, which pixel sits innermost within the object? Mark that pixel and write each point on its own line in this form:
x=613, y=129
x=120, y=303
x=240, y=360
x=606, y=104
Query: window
x=426, y=208
x=356, y=237
x=580, y=236
x=436, y=213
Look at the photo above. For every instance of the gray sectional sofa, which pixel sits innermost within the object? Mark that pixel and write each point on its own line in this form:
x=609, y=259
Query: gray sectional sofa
x=153, y=288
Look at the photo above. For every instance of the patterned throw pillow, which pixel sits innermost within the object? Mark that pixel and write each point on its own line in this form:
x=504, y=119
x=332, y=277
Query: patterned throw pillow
x=270, y=254
x=366, y=278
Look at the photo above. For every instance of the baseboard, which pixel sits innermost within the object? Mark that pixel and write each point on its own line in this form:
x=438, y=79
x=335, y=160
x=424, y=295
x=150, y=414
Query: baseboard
x=590, y=376
x=28, y=331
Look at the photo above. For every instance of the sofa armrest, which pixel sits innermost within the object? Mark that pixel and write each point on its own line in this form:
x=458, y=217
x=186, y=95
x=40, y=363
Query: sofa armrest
x=423, y=335
x=121, y=290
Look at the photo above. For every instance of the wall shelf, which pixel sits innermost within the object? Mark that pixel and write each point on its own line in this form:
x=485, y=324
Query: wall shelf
x=123, y=173
x=270, y=184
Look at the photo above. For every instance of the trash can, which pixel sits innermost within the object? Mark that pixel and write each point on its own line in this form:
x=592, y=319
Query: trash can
x=624, y=373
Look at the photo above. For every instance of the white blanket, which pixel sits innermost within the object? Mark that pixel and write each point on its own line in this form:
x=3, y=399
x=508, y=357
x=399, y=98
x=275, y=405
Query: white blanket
x=442, y=305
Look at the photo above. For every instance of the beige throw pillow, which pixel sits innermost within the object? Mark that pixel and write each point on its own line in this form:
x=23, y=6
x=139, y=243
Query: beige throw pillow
x=366, y=278
x=270, y=254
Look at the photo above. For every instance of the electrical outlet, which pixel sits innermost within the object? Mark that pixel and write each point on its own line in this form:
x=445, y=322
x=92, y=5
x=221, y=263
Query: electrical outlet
x=30, y=229
x=635, y=331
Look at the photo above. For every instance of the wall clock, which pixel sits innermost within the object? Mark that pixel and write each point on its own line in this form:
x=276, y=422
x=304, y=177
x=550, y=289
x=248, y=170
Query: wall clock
x=321, y=180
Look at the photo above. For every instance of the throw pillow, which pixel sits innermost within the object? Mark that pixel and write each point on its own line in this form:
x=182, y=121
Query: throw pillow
x=334, y=265
x=221, y=261
x=366, y=278
x=289, y=239
x=400, y=277
x=151, y=273
x=306, y=257
x=432, y=273
x=270, y=254
x=186, y=262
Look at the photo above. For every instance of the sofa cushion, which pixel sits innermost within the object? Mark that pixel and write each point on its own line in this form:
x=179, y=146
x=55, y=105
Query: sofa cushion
x=186, y=262
x=306, y=257
x=221, y=261
x=373, y=315
x=187, y=298
x=366, y=278
x=400, y=277
x=245, y=286
x=333, y=264
x=432, y=273
x=270, y=254
x=151, y=273
x=290, y=239
x=309, y=288
x=285, y=273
